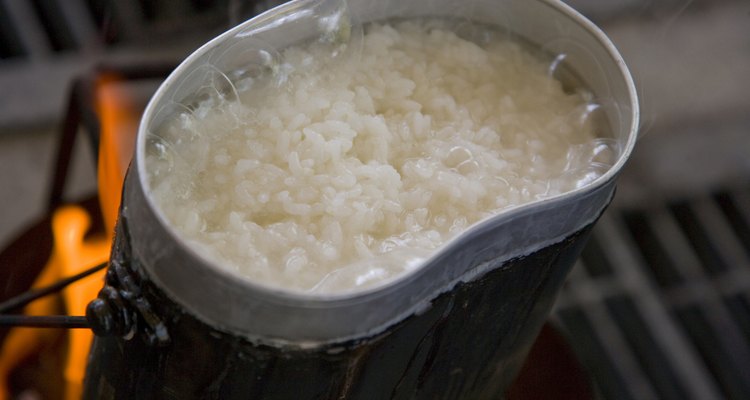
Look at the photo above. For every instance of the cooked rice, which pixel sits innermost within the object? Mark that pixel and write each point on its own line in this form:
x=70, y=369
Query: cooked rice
x=353, y=172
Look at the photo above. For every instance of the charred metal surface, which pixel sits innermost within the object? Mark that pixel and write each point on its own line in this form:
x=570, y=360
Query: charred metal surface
x=469, y=344
x=122, y=305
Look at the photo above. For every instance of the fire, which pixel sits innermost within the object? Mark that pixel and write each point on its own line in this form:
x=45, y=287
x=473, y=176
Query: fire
x=73, y=251
x=119, y=124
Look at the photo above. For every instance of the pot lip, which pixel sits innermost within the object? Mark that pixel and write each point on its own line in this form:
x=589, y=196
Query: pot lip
x=319, y=300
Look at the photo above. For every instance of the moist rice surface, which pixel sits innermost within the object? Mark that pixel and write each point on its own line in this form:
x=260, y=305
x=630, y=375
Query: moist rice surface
x=353, y=171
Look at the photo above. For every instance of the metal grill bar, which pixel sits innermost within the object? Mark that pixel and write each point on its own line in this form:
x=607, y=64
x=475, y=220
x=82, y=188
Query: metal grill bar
x=737, y=210
x=129, y=17
x=686, y=217
x=643, y=236
x=83, y=28
x=56, y=28
x=709, y=323
x=654, y=338
x=30, y=30
x=675, y=283
x=614, y=344
x=10, y=43
x=50, y=42
x=650, y=356
x=729, y=248
x=739, y=307
x=590, y=347
x=682, y=357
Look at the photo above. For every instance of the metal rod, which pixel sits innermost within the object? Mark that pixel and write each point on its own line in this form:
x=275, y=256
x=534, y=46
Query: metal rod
x=27, y=297
x=48, y=321
x=68, y=132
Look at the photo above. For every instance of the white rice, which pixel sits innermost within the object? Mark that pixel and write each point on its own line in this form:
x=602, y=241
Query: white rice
x=353, y=172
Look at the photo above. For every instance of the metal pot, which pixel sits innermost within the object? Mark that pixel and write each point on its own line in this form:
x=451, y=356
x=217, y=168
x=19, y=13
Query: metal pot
x=173, y=325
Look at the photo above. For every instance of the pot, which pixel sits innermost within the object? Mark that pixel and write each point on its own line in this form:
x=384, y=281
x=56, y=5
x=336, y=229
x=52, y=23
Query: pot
x=171, y=324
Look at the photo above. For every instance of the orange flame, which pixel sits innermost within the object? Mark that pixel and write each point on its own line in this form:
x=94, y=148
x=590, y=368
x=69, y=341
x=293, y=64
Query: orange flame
x=119, y=125
x=73, y=252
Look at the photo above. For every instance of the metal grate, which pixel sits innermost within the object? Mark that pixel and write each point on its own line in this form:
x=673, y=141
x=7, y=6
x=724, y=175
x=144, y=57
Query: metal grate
x=659, y=304
x=44, y=44
x=38, y=28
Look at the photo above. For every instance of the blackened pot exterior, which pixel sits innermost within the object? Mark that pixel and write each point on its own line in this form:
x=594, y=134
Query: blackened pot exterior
x=468, y=344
